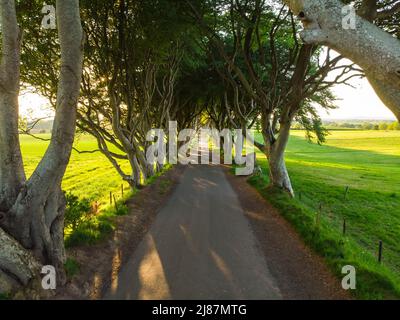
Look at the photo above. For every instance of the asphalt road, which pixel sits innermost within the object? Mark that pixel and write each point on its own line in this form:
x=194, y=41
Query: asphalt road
x=201, y=246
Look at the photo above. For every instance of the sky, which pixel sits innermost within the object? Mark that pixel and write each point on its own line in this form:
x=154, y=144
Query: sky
x=358, y=103
x=34, y=106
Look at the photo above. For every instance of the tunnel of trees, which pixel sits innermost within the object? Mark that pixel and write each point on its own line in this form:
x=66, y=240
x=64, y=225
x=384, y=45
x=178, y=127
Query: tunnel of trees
x=116, y=69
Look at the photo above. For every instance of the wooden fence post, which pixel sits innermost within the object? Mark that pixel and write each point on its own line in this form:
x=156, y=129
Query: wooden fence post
x=344, y=226
x=318, y=222
x=346, y=192
x=115, y=203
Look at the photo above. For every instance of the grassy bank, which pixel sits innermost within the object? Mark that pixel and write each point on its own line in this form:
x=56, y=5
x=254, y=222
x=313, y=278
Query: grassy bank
x=367, y=164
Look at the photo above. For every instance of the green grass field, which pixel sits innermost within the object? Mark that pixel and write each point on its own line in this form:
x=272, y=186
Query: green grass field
x=368, y=162
x=88, y=175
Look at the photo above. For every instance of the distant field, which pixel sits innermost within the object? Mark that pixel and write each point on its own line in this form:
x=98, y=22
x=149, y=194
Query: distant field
x=368, y=162
x=88, y=175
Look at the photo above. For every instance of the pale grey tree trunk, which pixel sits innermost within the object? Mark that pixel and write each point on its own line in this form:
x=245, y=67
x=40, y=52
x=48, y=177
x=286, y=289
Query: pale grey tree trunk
x=274, y=148
x=18, y=266
x=134, y=154
x=12, y=175
x=373, y=49
x=35, y=219
x=279, y=175
x=389, y=94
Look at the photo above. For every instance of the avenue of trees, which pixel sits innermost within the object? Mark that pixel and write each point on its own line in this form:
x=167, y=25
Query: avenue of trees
x=116, y=69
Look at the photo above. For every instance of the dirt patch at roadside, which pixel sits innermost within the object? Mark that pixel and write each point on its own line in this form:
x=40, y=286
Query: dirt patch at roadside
x=100, y=264
x=300, y=273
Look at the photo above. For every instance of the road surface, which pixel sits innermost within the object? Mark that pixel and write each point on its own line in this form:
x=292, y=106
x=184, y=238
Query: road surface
x=201, y=246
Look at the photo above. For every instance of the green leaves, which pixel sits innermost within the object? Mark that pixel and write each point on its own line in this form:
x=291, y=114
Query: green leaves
x=77, y=211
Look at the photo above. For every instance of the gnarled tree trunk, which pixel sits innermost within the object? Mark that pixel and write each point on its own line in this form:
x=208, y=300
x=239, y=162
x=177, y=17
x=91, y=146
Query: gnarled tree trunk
x=18, y=266
x=279, y=175
x=34, y=218
x=12, y=175
x=274, y=148
x=373, y=49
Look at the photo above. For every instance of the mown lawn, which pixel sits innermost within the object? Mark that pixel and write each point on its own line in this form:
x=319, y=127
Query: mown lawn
x=89, y=175
x=366, y=162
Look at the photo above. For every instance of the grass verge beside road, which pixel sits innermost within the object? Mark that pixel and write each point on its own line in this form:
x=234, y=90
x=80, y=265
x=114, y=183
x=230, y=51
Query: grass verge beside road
x=367, y=164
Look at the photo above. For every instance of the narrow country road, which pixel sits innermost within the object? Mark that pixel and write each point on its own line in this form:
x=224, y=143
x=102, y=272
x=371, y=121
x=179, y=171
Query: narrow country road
x=201, y=246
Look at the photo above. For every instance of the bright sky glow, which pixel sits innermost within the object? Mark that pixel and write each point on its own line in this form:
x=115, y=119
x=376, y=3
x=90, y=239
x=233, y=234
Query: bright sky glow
x=34, y=106
x=358, y=103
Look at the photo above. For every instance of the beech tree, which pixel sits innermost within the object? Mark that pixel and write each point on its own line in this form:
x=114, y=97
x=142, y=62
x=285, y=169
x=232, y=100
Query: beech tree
x=133, y=62
x=32, y=209
x=267, y=64
x=374, y=49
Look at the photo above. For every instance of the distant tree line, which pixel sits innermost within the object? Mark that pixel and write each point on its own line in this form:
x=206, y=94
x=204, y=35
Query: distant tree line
x=364, y=125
